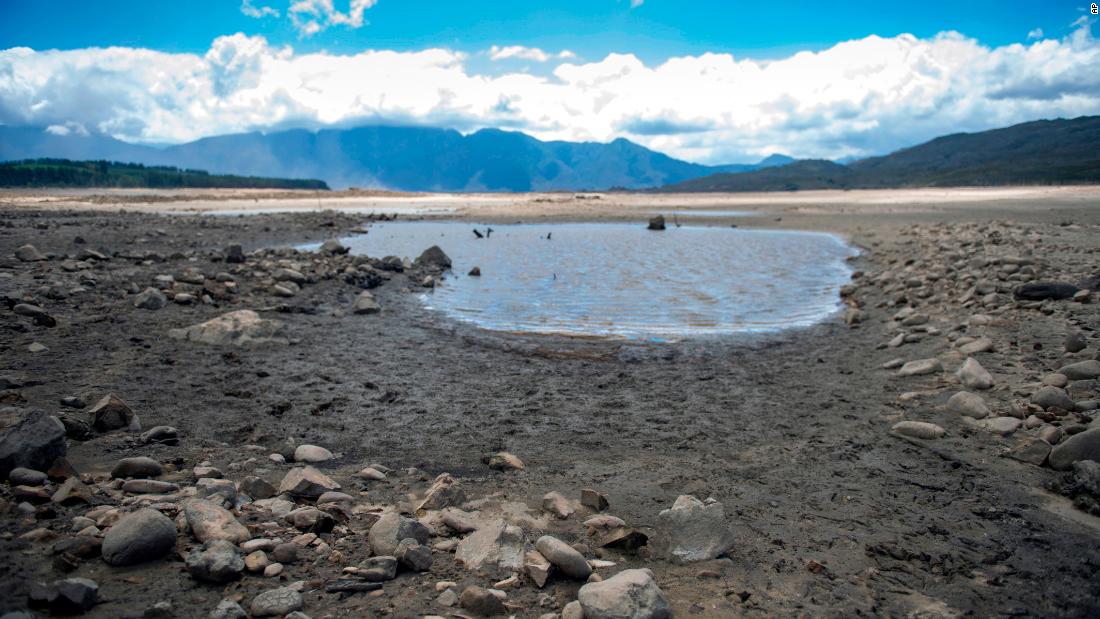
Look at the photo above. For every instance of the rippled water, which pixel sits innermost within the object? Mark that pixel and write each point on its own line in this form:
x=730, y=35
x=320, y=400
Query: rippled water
x=621, y=279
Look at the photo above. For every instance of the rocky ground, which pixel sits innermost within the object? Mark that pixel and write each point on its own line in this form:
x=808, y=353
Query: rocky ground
x=194, y=424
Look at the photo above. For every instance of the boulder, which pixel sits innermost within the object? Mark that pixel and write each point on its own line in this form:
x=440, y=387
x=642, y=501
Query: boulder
x=144, y=535
x=692, y=530
x=630, y=594
x=433, y=257
x=307, y=482
x=111, y=413
x=1053, y=397
x=29, y=439
x=215, y=561
x=208, y=521
x=239, y=328
x=496, y=550
x=968, y=405
x=391, y=528
x=564, y=557
x=973, y=376
x=1041, y=291
x=1082, y=370
x=921, y=367
x=1081, y=446
x=918, y=429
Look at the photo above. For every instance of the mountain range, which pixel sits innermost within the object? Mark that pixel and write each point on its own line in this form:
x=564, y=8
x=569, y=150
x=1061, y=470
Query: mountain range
x=1043, y=152
x=399, y=158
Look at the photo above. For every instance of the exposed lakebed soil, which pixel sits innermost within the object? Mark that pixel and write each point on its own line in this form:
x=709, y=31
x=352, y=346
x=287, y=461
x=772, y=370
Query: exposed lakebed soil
x=831, y=513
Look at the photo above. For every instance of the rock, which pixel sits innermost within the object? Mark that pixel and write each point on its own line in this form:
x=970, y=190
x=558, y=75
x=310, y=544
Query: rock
x=273, y=570
x=390, y=529
x=289, y=275
x=459, y=521
x=148, y=486
x=448, y=598
x=1040, y=291
x=1052, y=397
x=111, y=413
x=276, y=603
x=594, y=500
x=435, y=258
x=65, y=597
x=378, y=569
x=310, y=519
x=144, y=535
x=71, y=492
x=563, y=557
x=164, y=435
x=481, y=602
x=150, y=299
x=537, y=567
x=444, y=492
x=1082, y=446
x=692, y=530
x=921, y=367
x=333, y=247
x=414, y=556
x=1032, y=451
x=234, y=254
x=256, y=561
x=285, y=553
x=973, y=376
x=307, y=482
x=215, y=561
x=228, y=609
x=1082, y=370
x=208, y=522
x=371, y=474
x=656, y=223
x=968, y=405
x=239, y=328
x=918, y=429
x=29, y=253
x=1001, y=425
x=29, y=439
x=139, y=467
x=366, y=304
x=311, y=454
x=1055, y=380
x=572, y=610
x=557, y=505
x=475, y=272
x=257, y=488
x=1087, y=474
x=26, y=477
x=504, y=461
x=495, y=549
x=980, y=345
x=630, y=594
x=1075, y=342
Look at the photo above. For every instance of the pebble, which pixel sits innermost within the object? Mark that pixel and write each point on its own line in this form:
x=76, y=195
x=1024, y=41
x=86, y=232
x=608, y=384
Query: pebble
x=276, y=602
x=919, y=429
x=973, y=376
x=312, y=454
x=20, y=476
x=1001, y=425
x=921, y=367
x=1055, y=380
x=968, y=405
x=306, y=482
x=228, y=609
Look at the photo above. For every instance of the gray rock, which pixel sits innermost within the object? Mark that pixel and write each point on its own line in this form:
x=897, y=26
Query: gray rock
x=921, y=367
x=148, y=486
x=276, y=603
x=111, y=413
x=29, y=253
x=973, y=376
x=1075, y=342
x=239, y=328
x=378, y=569
x=656, y=223
x=228, y=609
x=444, y=492
x=333, y=247
x=390, y=529
x=366, y=304
x=435, y=258
x=1040, y=291
x=1052, y=397
x=257, y=488
x=208, y=521
x=139, y=467
x=1032, y=451
x=73, y=595
x=1081, y=446
x=1001, y=425
x=919, y=429
x=414, y=555
x=481, y=602
x=630, y=594
x=164, y=435
x=31, y=440
x=496, y=550
x=564, y=557
x=26, y=477
x=311, y=454
x=980, y=345
x=150, y=299
x=307, y=482
x=144, y=535
x=1082, y=370
x=215, y=561
x=234, y=254
x=1087, y=474
x=968, y=405
x=692, y=531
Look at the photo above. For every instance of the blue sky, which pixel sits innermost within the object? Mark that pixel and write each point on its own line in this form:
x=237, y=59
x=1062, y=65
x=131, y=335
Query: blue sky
x=704, y=81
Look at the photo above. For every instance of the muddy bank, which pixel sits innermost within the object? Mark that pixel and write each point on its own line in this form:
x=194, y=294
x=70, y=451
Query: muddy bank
x=829, y=513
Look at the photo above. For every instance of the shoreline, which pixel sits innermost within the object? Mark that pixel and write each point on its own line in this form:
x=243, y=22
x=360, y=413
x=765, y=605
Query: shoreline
x=831, y=514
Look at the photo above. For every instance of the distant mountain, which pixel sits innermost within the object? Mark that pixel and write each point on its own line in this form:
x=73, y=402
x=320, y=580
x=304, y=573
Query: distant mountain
x=400, y=158
x=68, y=173
x=1044, y=152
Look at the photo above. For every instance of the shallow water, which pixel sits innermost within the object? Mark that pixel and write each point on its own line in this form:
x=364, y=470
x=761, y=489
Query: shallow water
x=624, y=280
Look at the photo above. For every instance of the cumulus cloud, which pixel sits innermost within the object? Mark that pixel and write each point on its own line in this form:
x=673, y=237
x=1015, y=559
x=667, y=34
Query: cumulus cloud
x=497, y=52
x=312, y=16
x=856, y=98
x=258, y=12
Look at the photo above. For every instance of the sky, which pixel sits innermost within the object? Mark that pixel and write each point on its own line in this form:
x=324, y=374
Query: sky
x=713, y=82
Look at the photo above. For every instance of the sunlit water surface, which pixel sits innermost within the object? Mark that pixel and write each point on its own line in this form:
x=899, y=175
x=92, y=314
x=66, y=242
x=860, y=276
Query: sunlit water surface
x=623, y=280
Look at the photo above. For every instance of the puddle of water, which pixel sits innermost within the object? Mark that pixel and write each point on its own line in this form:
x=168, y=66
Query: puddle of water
x=396, y=209
x=624, y=280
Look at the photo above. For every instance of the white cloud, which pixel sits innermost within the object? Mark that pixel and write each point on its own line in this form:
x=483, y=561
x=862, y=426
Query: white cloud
x=858, y=97
x=535, y=54
x=312, y=16
x=258, y=12
x=1037, y=33
x=636, y=3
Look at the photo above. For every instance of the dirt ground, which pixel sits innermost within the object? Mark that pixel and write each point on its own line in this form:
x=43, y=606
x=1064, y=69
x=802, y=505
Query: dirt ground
x=790, y=432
